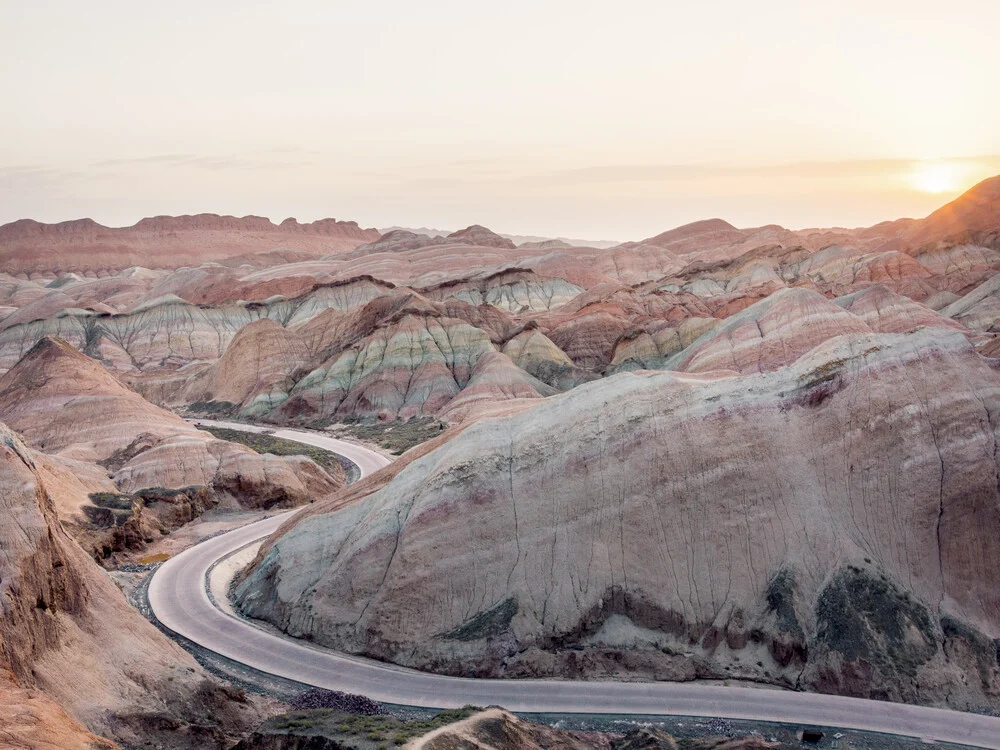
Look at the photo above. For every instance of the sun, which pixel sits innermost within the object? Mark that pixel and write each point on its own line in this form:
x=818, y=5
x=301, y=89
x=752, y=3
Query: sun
x=936, y=177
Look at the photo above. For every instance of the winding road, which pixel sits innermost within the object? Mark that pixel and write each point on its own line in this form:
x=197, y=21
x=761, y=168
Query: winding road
x=179, y=599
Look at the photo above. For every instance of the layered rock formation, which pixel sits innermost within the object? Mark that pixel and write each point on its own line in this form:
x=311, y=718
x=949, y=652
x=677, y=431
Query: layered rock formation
x=782, y=327
x=636, y=305
x=403, y=357
x=831, y=525
x=170, y=332
x=809, y=499
x=29, y=247
x=536, y=354
x=512, y=290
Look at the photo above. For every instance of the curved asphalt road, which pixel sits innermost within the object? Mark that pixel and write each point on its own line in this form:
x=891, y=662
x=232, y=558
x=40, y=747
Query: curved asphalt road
x=178, y=597
x=368, y=461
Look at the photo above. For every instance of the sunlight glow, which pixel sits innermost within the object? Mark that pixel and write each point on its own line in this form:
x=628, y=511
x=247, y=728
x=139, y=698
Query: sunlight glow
x=937, y=177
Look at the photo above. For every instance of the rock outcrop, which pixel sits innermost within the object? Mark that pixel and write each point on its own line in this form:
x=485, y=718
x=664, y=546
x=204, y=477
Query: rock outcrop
x=30, y=720
x=476, y=234
x=496, y=729
x=476, y=729
x=831, y=525
x=769, y=334
x=512, y=290
x=534, y=352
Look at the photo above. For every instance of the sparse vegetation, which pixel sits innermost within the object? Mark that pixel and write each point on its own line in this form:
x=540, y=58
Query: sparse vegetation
x=111, y=500
x=153, y=494
x=363, y=731
x=213, y=408
x=780, y=600
x=262, y=443
x=872, y=619
x=397, y=437
x=491, y=622
x=106, y=518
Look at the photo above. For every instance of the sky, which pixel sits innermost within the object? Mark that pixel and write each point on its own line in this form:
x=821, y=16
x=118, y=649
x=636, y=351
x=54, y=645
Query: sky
x=593, y=120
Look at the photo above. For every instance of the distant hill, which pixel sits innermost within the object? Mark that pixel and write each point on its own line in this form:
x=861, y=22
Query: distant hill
x=517, y=239
x=83, y=245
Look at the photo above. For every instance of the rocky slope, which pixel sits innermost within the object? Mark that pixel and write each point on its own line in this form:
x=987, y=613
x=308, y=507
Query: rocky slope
x=30, y=720
x=31, y=248
x=400, y=355
x=496, y=729
x=71, y=642
x=980, y=308
x=831, y=525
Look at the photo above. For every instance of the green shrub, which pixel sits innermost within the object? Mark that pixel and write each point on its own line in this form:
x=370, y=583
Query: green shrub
x=111, y=500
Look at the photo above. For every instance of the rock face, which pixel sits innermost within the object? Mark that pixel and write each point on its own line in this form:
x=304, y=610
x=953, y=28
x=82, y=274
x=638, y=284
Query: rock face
x=534, y=352
x=652, y=349
x=67, y=636
x=510, y=290
x=832, y=525
x=769, y=334
x=29, y=247
x=68, y=405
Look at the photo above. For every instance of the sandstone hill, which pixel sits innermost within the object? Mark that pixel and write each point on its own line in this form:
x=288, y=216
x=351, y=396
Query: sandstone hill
x=831, y=525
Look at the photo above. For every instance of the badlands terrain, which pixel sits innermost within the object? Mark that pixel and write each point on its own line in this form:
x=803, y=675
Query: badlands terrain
x=756, y=454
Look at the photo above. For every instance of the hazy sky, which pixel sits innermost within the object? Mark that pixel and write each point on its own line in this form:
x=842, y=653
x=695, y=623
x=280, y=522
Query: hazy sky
x=589, y=119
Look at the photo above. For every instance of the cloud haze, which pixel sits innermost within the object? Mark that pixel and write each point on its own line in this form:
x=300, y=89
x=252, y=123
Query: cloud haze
x=573, y=118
